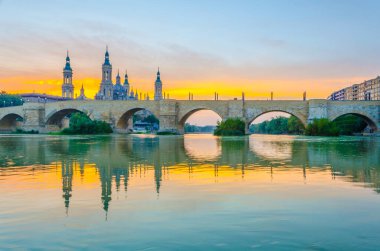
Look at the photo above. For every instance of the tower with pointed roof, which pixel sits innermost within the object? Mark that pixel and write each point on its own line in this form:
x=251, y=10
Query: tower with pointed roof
x=67, y=85
x=126, y=84
x=158, y=87
x=106, y=86
x=82, y=96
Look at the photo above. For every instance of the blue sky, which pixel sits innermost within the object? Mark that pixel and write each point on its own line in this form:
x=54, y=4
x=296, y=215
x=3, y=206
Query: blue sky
x=254, y=46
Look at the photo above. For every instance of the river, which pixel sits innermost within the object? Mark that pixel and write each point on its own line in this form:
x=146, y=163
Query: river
x=192, y=192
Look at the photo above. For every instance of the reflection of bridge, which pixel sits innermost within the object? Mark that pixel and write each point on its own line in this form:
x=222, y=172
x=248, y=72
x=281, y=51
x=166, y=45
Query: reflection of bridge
x=117, y=158
x=126, y=151
x=174, y=113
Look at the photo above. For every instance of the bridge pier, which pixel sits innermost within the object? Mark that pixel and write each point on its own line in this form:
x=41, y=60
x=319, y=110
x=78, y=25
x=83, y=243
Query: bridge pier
x=168, y=116
x=34, y=117
x=317, y=109
x=168, y=123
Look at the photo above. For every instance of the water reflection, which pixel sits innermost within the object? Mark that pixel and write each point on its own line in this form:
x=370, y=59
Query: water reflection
x=203, y=159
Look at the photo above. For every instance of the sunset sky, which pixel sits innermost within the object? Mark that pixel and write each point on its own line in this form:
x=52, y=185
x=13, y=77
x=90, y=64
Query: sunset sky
x=200, y=46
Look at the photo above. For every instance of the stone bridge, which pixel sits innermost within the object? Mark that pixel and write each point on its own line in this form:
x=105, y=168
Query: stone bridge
x=173, y=114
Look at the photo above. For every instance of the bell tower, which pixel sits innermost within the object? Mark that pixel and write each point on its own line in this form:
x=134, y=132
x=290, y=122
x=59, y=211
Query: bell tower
x=106, y=86
x=67, y=86
x=158, y=87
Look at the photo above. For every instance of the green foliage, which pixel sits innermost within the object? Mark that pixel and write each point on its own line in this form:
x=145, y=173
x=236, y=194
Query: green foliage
x=148, y=119
x=349, y=124
x=166, y=133
x=279, y=125
x=151, y=119
x=230, y=127
x=198, y=129
x=295, y=126
x=10, y=100
x=21, y=131
x=82, y=124
x=322, y=127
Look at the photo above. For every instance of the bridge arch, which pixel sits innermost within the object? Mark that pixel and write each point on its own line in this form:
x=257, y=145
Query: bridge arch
x=182, y=120
x=300, y=117
x=367, y=118
x=55, y=120
x=124, y=122
x=10, y=122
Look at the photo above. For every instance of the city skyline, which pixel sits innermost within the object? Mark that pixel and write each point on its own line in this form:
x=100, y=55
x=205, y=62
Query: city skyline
x=257, y=48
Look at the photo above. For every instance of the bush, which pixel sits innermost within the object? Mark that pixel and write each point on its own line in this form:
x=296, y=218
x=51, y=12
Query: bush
x=22, y=131
x=230, y=127
x=167, y=133
x=322, y=127
x=82, y=124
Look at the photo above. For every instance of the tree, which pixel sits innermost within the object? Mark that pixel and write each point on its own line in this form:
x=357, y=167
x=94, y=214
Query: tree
x=295, y=126
x=322, y=127
x=279, y=125
x=10, y=99
x=151, y=119
x=349, y=124
x=230, y=127
x=82, y=124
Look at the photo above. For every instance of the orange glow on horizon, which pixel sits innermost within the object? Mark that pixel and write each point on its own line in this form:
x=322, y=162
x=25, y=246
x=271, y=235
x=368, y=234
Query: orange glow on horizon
x=227, y=89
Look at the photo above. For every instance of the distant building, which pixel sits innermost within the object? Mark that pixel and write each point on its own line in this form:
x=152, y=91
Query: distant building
x=42, y=98
x=367, y=90
x=82, y=96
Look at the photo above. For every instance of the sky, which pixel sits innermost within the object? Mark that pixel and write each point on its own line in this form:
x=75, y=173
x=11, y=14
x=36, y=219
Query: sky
x=255, y=46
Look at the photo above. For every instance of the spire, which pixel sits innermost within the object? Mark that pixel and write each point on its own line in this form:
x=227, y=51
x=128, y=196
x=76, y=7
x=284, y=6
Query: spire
x=67, y=65
x=107, y=57
x=118, y=78
x=158, y=75
x=126, y=83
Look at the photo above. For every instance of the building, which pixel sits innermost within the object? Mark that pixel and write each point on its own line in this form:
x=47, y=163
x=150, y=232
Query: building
x=367, y=90
x=42, y=98
x=107, y=90
x=82, y=96
x=67, y=86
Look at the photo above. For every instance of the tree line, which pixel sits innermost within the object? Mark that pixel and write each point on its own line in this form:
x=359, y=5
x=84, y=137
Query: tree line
x=344, y=125
x=198, y=129
x=10, y=99
x=279, y=125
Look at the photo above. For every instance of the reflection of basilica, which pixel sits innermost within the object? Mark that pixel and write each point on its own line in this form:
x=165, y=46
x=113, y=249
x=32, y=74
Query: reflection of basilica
x=67, y=182
x=122, y=160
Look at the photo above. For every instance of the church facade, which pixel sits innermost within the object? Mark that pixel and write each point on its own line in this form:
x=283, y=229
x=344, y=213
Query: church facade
x=108, y=90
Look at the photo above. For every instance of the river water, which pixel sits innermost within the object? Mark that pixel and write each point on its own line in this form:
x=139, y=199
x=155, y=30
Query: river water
x=192, y=192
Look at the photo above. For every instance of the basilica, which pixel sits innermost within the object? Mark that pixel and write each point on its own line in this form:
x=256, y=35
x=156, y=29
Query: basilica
x=108, y=90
